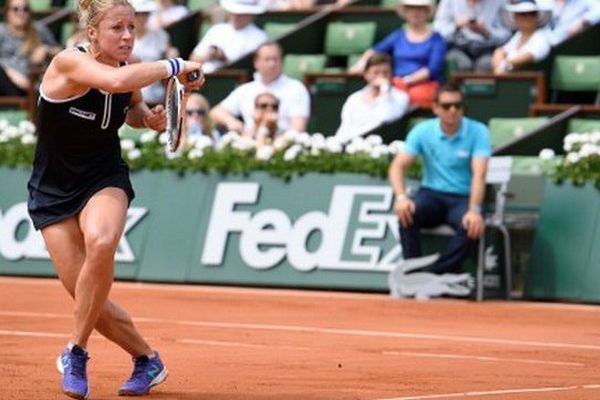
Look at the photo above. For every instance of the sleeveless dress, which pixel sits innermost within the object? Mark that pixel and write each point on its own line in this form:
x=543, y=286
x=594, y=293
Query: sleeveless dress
x=78, y=153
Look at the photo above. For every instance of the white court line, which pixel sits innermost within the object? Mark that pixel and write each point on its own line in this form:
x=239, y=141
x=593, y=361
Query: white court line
x=339, y=331
x=34, y=334
x=481, y=358
x=238, y=344
x=306, y=293
x=487, y=393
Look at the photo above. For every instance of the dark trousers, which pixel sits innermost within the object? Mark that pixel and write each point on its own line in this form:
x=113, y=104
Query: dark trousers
x=7, y=87
x=435, y=208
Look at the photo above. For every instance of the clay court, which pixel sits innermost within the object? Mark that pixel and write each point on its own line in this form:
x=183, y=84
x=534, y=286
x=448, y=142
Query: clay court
x=224, y=343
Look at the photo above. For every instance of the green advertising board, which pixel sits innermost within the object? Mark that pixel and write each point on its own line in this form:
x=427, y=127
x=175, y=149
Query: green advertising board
x=313, y=231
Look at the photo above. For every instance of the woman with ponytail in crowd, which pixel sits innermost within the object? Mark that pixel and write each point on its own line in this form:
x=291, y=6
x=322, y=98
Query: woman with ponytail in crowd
x=79, y=189
x=24, y=45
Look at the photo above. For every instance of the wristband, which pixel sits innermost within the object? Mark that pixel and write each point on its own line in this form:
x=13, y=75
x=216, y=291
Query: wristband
x=174, y=66
x=475, y=207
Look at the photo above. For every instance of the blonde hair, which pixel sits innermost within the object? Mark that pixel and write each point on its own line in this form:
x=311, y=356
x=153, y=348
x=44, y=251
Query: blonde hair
x=32, y=37
x=92, y=11
x=207, y=127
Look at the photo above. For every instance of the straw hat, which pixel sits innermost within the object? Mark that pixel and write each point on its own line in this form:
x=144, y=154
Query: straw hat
x=526, y=6
x=253, y=7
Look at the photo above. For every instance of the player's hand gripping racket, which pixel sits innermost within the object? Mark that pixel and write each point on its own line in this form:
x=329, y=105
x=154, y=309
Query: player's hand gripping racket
x=175, y=105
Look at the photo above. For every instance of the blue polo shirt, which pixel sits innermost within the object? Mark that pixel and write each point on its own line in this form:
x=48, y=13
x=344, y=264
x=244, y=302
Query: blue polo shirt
x=447, y=159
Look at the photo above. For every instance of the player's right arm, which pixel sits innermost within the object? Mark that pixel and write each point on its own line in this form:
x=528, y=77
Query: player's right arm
x=403, y=205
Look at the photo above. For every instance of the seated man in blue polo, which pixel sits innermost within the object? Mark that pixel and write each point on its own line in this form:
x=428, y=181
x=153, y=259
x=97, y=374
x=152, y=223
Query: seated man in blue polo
x=455, y=152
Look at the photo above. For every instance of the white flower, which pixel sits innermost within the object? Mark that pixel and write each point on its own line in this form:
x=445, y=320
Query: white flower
x=244, y=144
x=264, y=153
x=134, y=154
x=378, y=151
x=546, y=154
x=315, y=151
x=3, y=124
x=12, y=132
x=148, y=137
x=26, y=127
x=228, y=139
x=572, y=158
x=292, y=152
x=374, y=140
x=281, y=142
x=396, y=146
x=28, y=138
x=195, y=153
x=202, y=142
x=333, y=145
x=127, y=144
x=595, y=137
x=291, y=135
x=4, y=138
x=588, y=150
x=162, y=138
x=303, y=139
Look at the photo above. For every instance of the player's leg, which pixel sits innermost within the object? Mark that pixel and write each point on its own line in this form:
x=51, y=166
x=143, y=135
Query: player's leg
x=64, y=241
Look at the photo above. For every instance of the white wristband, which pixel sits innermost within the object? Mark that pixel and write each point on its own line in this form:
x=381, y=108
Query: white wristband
x=174, y=66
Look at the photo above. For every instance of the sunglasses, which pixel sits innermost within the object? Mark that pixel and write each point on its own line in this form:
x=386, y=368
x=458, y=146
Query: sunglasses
x=264, y=106
x=20, y=9
x=198, y=111
x=457, y=105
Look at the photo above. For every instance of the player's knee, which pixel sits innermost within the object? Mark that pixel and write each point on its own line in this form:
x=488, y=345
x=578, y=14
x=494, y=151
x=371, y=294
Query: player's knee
x=101, y=243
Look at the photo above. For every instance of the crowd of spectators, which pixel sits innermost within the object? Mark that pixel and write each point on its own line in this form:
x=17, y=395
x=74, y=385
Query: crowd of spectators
x=405, y=68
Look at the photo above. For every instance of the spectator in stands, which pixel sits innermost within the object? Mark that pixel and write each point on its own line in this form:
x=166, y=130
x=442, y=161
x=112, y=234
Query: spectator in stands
x=231, y=40
x=266, y=118
x=166, y=13
x=570, y=17
x=24, y=46
x=375, y=104
x=530, y=43
x=198, y=122
x=150, y=45
x=473, y=29
x=294, y=100
x=455, y=151
x=418, y=53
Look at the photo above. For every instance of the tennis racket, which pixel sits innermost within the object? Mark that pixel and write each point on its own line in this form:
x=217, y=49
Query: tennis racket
x=175, y=106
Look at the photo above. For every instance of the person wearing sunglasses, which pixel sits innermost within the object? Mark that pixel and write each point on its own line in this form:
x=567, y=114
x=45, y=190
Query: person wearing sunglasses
x=454, y=150
x=530, y=43
x=266, y=116
x=198, y=122
x=24, y=46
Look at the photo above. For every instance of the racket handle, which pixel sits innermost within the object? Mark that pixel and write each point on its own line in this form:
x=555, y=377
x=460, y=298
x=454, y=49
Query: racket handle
x=193, y=76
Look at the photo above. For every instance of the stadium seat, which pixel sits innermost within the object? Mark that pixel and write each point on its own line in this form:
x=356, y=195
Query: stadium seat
x=344, y=39
x=296, y=65
x=275, y=30
x=576, y=74
x=581, y=125
x=194, y=5
x=389, y=3
x=505, y=130
x=40, y=5
x=66, y=30
x=353, y=59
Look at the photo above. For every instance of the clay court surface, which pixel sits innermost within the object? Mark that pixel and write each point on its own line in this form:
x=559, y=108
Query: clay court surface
x=233, y=343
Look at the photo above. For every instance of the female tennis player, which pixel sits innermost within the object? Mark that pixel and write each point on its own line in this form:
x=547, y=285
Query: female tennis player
x=79, y=190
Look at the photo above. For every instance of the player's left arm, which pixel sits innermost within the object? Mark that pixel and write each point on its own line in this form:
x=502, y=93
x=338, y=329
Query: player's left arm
x=473, y=219
x=141, y=116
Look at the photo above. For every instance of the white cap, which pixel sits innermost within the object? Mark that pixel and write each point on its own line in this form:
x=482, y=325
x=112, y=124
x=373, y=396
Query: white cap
x=143, y=6
x=243, y=6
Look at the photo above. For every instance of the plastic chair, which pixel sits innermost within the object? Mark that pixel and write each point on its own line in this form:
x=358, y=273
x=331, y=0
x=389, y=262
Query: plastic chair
x=575, y=74
x=40, y=5
x=275, y=30
x=296, y=65
x=344, y=39
x=498, y=176
x=14, y=116
x=195, y=5
x=505, y=130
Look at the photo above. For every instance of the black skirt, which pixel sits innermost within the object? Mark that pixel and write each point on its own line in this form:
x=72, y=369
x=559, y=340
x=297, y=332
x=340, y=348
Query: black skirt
x=46, y=209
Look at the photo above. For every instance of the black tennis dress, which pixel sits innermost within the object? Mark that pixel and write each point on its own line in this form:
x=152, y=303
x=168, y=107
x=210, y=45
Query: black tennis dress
x=78, y=153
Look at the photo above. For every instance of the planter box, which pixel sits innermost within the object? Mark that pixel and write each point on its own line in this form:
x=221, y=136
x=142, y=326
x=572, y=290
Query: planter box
x=565, y=259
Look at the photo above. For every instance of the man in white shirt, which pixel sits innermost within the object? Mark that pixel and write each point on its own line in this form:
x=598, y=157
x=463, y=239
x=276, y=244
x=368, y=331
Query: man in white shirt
x=231, y=40
x=377, y=103
x=294, y=106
